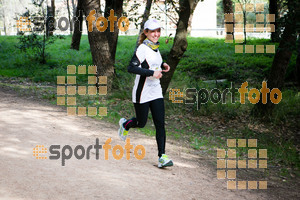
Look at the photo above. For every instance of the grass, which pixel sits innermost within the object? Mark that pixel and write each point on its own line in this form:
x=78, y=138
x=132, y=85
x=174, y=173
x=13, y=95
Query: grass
x=205, y=129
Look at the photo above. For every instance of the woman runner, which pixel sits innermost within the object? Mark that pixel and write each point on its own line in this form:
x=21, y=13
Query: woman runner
x=147, y=64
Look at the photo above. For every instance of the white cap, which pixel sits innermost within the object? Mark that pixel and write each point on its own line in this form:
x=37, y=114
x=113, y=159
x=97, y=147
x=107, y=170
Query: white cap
x=152, y=24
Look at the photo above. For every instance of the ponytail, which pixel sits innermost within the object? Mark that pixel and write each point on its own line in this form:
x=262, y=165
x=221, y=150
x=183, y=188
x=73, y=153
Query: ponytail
x=142, y=37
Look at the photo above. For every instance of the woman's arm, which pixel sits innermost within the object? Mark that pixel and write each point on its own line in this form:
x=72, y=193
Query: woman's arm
x=135, y=69
x=165, y=67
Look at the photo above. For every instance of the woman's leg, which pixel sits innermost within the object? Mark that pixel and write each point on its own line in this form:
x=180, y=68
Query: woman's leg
x=141, y=111
x=158, y=114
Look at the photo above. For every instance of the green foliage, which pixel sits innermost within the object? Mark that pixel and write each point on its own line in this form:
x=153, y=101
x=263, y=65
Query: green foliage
x=289, y=106
x=34, y=46
x=205, y=59
x=220, y=13
x=218, y=60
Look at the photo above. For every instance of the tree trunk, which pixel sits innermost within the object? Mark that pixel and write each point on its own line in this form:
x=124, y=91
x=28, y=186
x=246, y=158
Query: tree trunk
x=298, y=62
x=74, y=7
x=228, y=9
x=227, y=6
x=180, y=42
x=69, y=15
x=273, y=9
x=117, y=6
x=4, y=25
x=77, y=21
x=50, y=18
x=244, y=3
x=281, y=61
x=189, y=29
x=99, y=45
x=245, y=21
x=145, y=18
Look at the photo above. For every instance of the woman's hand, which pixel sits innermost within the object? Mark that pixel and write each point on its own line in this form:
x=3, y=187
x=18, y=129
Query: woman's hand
x=167, y=67
x=157, y=74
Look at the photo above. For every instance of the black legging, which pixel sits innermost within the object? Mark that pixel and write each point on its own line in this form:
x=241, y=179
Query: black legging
x=158, y=114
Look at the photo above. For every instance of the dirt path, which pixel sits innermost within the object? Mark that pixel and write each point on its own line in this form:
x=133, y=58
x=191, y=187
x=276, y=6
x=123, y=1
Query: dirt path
x=25, y=123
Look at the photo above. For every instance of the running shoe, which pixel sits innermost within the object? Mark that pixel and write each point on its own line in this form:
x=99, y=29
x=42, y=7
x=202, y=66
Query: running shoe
x=164, y=161
x=122, y=131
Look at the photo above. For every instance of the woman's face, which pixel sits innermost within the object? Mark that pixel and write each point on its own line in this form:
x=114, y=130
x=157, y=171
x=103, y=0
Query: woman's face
x=153, y=35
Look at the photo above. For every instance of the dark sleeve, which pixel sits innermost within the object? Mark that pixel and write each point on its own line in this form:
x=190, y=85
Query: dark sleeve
x=135, y=69
x=162, y=66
